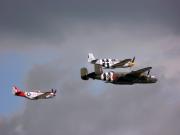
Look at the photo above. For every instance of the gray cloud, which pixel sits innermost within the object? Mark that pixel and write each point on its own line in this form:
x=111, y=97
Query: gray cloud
x=138, y=109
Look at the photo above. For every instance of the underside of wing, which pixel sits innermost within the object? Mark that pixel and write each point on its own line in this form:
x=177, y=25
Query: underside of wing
x=132, y=76
x=42, y=96
x=120, y=64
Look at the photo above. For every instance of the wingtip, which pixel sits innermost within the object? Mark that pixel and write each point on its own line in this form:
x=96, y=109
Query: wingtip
x=148, y=68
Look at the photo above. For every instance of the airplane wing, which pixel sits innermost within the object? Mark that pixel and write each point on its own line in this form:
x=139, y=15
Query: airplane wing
x=139, y=72
x=121, y=63
x=42, y=96
x=132, y=76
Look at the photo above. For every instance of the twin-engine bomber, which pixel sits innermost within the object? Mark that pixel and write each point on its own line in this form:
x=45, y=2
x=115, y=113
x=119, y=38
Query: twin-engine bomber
x=133, y=77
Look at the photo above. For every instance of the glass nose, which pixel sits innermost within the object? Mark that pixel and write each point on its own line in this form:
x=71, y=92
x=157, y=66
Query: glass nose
x=155, y=79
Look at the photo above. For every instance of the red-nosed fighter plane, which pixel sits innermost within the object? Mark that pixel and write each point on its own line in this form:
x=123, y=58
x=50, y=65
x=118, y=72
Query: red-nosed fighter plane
x=34, y=95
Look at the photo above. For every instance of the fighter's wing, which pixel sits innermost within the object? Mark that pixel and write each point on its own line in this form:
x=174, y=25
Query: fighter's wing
x=121, y=63
x=139, y=72
x=43, y=96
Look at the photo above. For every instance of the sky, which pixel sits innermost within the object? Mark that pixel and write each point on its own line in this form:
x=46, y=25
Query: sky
x=43, y=45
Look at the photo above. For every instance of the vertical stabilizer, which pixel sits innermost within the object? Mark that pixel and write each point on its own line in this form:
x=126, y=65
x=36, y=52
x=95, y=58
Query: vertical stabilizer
x=91, y=57
x=15, y=90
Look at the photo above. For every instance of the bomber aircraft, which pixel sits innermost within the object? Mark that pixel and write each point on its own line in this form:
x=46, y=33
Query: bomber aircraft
x=34, y=95
x=111, y=63
x=133, y=77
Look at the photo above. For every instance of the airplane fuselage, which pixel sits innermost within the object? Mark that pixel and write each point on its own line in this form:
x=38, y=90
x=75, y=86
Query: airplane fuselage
x=33, y=95
x=120, y=78
x=109, y=63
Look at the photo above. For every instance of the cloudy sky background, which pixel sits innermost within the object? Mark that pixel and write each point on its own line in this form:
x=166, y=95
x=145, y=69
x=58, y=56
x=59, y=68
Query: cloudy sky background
x=43, y=45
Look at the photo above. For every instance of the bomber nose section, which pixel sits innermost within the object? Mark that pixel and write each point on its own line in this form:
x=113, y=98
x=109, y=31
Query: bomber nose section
x=154, y=79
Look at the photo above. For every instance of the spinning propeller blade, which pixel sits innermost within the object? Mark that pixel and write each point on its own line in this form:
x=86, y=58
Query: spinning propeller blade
x=133, y=59
x=53, y=91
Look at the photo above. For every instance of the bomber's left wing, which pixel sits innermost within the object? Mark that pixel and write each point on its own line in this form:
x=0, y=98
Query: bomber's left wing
x=132, y=76
x=121, y=63
x=139, y=72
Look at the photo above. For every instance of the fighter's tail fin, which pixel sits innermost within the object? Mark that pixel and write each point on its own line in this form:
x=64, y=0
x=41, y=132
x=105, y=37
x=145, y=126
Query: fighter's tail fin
x=91, y=57
x=15, y=90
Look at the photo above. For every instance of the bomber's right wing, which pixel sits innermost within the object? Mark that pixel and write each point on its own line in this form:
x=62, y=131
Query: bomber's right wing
x=121, y=63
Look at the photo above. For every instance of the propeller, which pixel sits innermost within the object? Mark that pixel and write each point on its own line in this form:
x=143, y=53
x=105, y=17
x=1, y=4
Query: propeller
x=148, y=72
x=54, y=91
x=132, y=62
x=133, y=59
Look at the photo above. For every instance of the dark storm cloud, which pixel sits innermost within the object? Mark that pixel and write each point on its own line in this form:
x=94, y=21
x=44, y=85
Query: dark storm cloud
x=37, y=18
x=26, y=24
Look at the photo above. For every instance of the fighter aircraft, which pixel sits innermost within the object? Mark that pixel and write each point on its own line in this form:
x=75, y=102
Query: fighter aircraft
x=111, y=63
x=35, y=95
x=138, y=76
